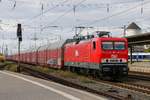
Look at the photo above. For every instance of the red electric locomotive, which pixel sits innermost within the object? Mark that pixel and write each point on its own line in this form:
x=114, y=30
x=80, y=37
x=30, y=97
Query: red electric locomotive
x=105, y=56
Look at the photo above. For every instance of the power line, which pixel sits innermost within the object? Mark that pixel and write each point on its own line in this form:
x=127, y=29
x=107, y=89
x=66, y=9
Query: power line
x=78, y=5
x=64, y=14
x=62, y=4
x=116, y=14
x=36, y=16
x=129, y=1
x=68, y=11
x=143, y=20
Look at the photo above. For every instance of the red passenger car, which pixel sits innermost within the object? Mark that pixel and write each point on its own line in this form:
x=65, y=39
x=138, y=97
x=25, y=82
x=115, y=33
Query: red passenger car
x=55, y=55
x=51, y=55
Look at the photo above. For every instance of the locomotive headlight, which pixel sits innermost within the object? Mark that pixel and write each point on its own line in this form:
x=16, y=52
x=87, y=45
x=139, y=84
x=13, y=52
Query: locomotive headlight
x=103, y=60
x=124, y=60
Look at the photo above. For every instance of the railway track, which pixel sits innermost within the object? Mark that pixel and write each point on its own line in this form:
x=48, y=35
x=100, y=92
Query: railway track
x=129, y=86
x=68, y=83
x=139, y=75
x=135, y=87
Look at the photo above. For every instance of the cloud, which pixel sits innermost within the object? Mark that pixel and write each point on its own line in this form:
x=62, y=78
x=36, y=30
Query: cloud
x=27, y=12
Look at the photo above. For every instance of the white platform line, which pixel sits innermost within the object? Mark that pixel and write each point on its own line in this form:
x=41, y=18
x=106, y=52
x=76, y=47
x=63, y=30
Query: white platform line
x=43, y=86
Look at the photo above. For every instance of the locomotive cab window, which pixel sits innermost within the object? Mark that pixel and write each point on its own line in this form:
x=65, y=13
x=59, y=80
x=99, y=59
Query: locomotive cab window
x=113, y=45
x=107, y=45
x=119, y=45
x=94, y=45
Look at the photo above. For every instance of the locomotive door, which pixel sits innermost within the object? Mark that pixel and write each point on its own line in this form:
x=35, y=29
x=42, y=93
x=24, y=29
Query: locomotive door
x=94, y=55
x=93, y=51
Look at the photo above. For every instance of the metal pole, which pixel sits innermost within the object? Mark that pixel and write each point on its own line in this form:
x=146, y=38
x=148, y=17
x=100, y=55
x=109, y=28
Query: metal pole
x=18, y=67
x=19, y=35
x=131, y=50
x=124, y=33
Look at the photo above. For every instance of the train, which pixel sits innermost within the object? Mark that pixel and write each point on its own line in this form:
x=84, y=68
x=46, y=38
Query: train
x=98, y=54
x=139, y=56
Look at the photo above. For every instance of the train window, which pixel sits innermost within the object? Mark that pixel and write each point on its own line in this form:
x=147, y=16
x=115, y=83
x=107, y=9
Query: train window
x=107, y=45
x=94, y=45
x=134, y=57
x=119, y=45
x=144, y=56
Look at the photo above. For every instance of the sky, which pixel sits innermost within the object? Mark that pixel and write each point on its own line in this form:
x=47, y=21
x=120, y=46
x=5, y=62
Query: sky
x=48, y=20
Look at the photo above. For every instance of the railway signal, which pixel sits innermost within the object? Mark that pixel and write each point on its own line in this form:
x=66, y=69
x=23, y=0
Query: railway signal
x=19, y=35
x=19, y=32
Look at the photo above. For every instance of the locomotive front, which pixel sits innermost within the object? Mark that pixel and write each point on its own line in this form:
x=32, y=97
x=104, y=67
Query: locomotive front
x=114, y=57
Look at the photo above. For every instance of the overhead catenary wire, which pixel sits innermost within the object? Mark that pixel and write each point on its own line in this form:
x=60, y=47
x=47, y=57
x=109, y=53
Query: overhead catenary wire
x=122, y=2
x=38, y=15
x=56, y=6
x=68, y=11
x=140, y=20
x=116, y=14
x=75, y=6
x=65, y=1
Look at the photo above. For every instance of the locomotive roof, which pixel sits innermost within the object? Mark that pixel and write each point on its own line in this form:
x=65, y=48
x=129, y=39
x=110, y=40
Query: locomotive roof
x=113, y=38
x=104, y=35
x=102, y=38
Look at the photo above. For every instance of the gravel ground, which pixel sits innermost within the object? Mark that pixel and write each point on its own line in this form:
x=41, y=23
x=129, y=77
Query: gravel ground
x=112, y=89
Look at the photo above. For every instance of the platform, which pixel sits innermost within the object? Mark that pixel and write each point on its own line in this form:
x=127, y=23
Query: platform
x=140, y=67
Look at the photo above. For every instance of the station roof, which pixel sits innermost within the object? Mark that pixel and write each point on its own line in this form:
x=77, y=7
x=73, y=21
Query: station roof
x=133, y=26
x=140, y=39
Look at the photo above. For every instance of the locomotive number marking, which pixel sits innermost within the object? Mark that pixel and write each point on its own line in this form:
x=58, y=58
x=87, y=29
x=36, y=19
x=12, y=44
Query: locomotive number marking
x=114, y=56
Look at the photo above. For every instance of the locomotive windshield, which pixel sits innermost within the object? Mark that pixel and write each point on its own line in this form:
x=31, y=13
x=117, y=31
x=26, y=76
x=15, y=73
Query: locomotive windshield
x=113, y=45
x=119, y=45
x=107, y=45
